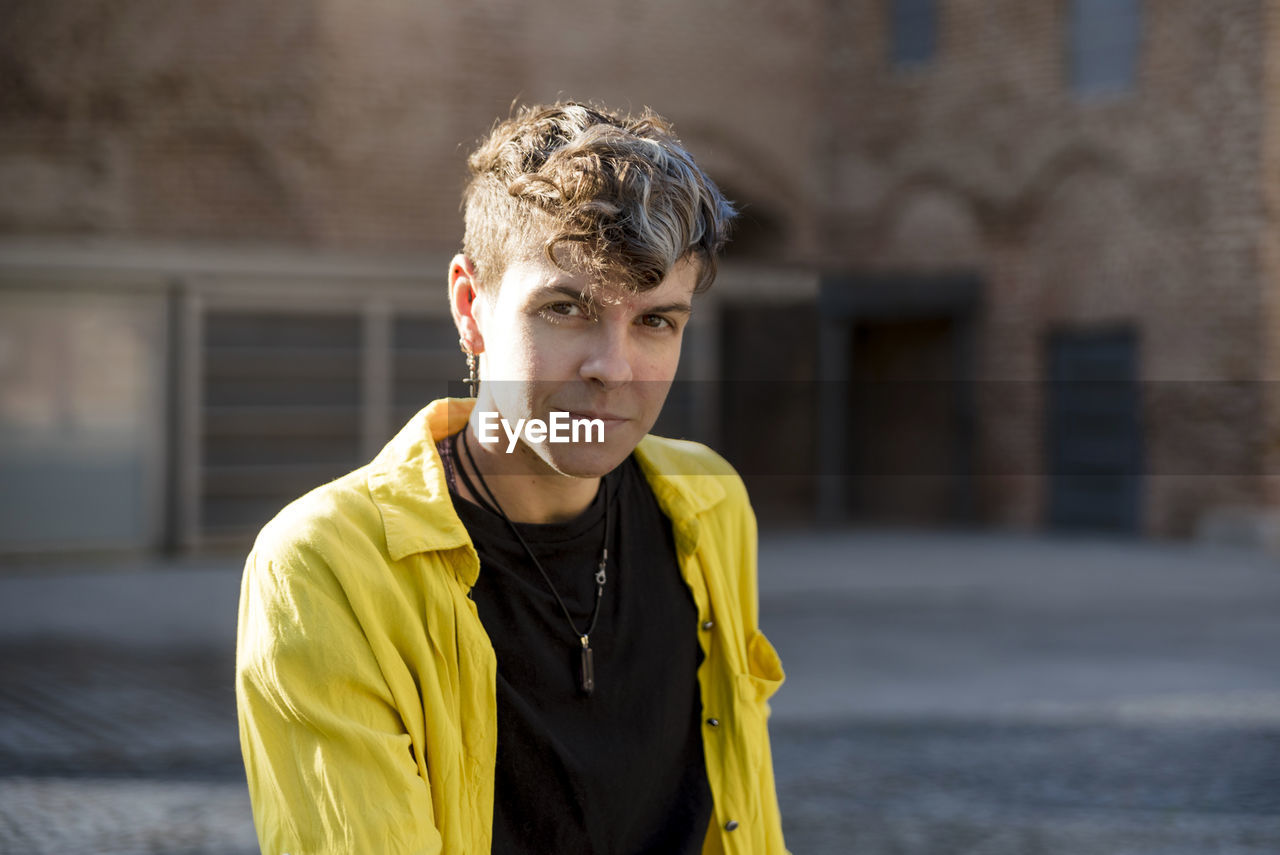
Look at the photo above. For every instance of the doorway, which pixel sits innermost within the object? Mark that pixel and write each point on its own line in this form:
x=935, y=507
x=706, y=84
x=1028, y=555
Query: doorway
x=902, y=417
x=896, y=410
x=1094, y=440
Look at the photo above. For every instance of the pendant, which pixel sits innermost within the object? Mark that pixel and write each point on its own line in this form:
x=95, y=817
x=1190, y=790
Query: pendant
x=588, y=667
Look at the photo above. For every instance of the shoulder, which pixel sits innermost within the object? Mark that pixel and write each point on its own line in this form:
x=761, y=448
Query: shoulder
x=318, y=569
x=686, y=474
x=683, y=457
x=324, y=523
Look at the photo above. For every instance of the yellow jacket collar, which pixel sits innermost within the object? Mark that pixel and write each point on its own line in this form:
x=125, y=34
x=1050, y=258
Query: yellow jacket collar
x=407, y=483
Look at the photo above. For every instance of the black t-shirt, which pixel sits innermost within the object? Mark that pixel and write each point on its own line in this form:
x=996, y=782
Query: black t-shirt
x=620, y=770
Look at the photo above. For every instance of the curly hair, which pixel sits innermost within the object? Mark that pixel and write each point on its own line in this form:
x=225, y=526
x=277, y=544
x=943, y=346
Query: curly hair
x=608, y=194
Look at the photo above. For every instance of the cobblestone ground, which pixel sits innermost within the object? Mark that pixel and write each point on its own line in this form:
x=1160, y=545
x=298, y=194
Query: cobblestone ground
x=110, y=751
x=1028, y=789
x=79, y=816
x=946, y=695
x=118, y=751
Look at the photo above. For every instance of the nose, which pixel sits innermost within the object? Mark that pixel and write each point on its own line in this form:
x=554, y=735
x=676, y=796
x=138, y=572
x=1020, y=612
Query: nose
x=608, y=362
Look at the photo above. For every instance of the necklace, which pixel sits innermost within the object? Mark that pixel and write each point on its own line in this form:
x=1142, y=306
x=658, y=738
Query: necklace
x=588, y=672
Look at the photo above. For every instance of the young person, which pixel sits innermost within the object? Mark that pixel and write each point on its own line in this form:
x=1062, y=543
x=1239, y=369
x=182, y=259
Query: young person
x=488, y=639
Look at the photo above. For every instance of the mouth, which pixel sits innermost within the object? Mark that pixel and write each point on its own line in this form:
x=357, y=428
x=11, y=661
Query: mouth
x=609, y=419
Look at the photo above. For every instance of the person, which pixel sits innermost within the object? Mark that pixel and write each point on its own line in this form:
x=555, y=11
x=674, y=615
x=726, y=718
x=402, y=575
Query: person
x=528, y=625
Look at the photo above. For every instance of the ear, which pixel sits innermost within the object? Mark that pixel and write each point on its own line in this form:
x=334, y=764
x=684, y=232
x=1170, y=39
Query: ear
x=462, y=302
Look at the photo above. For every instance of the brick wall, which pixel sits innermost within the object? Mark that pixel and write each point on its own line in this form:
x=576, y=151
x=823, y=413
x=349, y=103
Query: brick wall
x=344, y=125
x=1141, y=209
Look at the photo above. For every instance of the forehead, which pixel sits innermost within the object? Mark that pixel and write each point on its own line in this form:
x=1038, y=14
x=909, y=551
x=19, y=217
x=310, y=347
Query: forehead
x=533, y=276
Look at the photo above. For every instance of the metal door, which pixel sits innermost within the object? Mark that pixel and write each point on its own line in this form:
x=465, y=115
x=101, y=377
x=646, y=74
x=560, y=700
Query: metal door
x=1094, y=427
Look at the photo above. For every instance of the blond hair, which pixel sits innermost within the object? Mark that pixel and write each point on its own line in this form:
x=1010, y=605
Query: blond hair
x=608, y=194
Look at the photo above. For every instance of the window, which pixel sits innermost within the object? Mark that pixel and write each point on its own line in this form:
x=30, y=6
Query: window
x=1103, y=48
x=913, y=27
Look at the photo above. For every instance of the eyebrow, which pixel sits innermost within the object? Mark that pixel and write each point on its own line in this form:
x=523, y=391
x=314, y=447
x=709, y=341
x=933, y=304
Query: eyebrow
x=583, y=297
x=667, y=308
x=567, y=290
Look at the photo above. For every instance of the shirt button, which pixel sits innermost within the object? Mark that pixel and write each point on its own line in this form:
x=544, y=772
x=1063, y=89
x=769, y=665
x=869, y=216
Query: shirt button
x=707, y=624
x=714, y=722
x=731, y=825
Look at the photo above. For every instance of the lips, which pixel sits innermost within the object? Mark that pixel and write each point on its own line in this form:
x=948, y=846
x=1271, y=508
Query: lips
x=607, y=418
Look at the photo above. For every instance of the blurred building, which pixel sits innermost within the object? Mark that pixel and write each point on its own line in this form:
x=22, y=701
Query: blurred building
x=1006, y=265
x=1084, y=195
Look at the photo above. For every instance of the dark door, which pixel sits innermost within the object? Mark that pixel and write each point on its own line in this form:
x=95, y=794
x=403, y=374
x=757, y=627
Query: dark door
x=768, y=402
x=905, y=451
x=1094, y=431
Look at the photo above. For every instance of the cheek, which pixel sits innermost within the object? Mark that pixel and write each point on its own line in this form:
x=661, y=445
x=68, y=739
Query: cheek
x=513, y=352
x=554, y=355
x=656, y=377
x=660, y=363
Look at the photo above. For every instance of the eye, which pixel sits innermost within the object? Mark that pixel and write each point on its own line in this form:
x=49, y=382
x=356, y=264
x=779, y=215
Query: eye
x=564, y=309
x=656, y=322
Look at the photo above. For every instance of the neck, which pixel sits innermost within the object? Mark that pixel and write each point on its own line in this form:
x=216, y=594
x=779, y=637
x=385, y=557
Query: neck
x=528, y=490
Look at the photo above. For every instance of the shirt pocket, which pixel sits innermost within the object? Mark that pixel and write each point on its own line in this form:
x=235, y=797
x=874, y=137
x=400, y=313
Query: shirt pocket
x=754, y=688
x=764, y=672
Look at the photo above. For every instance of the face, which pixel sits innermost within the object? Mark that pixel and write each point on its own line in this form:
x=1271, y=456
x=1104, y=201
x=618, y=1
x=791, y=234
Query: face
x=552, y=342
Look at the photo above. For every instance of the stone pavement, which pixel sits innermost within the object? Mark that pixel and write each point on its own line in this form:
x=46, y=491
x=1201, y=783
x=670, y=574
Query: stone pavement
x=932, y=625
x=946, y=693
x=979, y=693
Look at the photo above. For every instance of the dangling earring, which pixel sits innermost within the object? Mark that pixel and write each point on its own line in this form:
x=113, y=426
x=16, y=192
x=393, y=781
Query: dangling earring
x=473, y=378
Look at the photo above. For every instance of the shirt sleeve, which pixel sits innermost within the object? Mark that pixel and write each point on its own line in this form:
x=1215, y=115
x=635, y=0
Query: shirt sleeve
x=330, y=767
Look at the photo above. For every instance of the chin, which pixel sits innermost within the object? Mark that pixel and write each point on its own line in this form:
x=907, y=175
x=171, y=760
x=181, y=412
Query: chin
x=586, y=460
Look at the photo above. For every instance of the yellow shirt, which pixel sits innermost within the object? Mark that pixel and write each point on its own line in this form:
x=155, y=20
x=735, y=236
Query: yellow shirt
x=366, y=684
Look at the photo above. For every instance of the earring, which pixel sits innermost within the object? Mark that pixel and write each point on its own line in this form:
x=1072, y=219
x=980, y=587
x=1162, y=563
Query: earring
x=472, y=379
